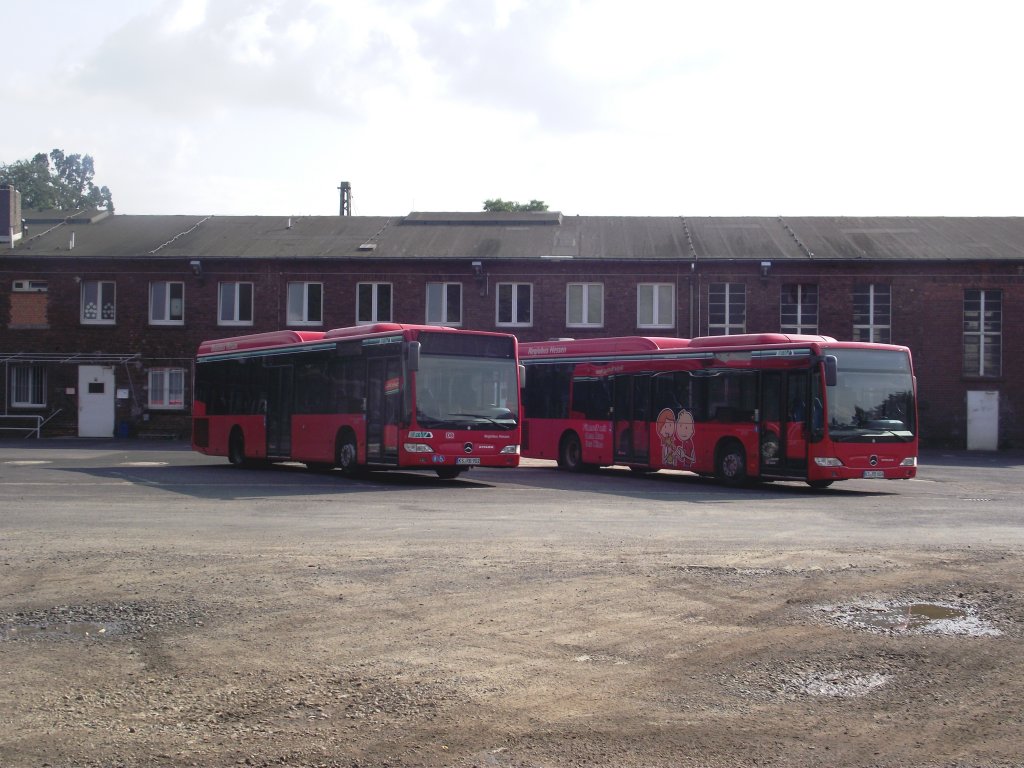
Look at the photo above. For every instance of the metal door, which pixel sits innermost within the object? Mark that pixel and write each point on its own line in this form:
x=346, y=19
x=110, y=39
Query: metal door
x=982, y=420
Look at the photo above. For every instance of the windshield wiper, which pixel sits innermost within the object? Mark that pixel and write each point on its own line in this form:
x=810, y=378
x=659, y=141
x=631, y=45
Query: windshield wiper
x=495, y=422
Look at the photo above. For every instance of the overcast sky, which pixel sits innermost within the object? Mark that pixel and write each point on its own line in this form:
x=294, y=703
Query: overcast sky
x=597, y=107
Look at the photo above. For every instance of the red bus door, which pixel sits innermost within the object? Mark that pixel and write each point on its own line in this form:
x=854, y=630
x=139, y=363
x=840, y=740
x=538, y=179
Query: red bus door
x=783, y=423
x=632, y=419
x=279, y=410
x=383, y=401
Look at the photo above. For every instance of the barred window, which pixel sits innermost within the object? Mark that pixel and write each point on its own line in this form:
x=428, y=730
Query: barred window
x=983, y=332
x=872, y=313
x=727, y=308
x=166, y=388
x=799, y=308
x=28, y=386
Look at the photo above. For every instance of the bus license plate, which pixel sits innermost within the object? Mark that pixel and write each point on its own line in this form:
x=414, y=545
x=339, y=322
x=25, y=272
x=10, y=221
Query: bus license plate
x=874, y=473
x=467, y=460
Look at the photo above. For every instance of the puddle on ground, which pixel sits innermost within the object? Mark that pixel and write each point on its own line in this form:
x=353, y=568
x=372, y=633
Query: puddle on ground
x=911, y=618
x=78, y=630
x=25, y=463
x=143, y=463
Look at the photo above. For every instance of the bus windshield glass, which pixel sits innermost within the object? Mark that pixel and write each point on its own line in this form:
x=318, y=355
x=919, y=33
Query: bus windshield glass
x=873, y=398
x=455, y=392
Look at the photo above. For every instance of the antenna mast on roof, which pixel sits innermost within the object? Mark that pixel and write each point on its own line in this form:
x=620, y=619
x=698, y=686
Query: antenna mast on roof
x=346, y=199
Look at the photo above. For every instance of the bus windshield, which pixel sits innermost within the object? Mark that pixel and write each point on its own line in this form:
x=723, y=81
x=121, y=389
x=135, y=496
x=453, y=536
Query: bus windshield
x=457, y=392
x=873, y=398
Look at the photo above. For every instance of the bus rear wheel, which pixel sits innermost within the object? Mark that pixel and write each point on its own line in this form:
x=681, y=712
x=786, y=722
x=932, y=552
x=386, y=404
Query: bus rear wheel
x=731, y=467
x=347, y=458
x=570, y=453
x=236, y=448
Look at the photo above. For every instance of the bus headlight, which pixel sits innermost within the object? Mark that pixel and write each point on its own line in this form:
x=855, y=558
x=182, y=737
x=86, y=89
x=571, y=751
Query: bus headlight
x=827, y=461
x=910, y=461
x=417, y=448
x=510, y=449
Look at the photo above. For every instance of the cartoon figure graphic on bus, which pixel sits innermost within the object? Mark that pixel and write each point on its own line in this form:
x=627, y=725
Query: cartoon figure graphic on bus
x=675, y=431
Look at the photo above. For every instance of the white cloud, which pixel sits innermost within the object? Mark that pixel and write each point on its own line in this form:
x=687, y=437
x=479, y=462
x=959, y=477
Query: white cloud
x=652, y=107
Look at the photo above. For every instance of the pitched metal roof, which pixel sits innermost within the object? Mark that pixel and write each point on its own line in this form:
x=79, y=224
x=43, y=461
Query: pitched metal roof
x=547, y=235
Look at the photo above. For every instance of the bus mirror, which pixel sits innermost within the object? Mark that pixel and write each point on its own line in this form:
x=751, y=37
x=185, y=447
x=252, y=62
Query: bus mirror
x=831, y=370
x=522, y=375
x=412, y=356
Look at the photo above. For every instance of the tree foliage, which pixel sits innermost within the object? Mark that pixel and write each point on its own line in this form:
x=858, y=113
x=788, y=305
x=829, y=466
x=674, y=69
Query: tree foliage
x=497, y=204
x=57, y=181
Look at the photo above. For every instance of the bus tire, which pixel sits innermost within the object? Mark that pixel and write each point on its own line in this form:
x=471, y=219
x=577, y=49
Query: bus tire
x=448, y=473
x=236, y=448
x=347, y=453
x=570, y=453
x=731, y=463
x=819, y=484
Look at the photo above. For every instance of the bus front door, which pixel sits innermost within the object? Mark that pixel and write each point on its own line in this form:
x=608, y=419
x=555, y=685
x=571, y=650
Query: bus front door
x=783, y=423
x=279, y=411
x=632, y=419
x=383, y=405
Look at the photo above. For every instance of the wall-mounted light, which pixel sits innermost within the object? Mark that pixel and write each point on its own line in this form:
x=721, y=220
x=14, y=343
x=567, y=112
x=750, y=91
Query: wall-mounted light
x=478, y=269
x=766, y=267
x=197, y=267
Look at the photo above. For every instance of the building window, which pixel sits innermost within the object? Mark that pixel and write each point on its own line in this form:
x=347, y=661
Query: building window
x=584, y=305
x=235, y=304
x=166, y=389
x=444, y=303
x=28, y=386
x=872, y=313
x=983, y=333
x=98, y=302
x=799, y=308
x=727, y=309
x=166, y=303
x=515, y=304
x=305, y=303
x=655, y=305
x=373, y=303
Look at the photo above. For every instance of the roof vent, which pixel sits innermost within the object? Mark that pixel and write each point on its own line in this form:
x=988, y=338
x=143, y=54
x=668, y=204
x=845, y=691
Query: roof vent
x=368, y=247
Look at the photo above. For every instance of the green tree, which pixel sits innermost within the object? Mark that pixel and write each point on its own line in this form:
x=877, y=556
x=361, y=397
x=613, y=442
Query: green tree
x=57, y=181
x=497, y=204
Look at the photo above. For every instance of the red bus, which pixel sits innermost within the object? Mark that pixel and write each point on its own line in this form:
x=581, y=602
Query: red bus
x=745, y=407
x=383, y=396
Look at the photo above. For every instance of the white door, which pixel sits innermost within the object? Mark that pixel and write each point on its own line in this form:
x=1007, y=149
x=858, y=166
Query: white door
x=982, y=421
x=95, y=401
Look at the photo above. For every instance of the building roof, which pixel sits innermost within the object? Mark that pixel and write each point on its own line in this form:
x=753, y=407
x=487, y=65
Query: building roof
x=516, y=236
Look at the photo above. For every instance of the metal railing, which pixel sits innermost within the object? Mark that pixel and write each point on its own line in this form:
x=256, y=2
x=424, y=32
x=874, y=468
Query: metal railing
x=38, y=420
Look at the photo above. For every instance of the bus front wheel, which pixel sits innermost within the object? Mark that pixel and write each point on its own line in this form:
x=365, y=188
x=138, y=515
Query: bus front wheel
x=348, y=454
x=731, y=466
x=570, y=453
x=448, y=473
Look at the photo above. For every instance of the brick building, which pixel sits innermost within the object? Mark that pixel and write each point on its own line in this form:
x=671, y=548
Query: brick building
x=100, y=314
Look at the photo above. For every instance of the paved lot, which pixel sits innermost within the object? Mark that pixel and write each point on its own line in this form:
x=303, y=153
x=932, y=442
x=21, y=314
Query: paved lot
x=163, y=608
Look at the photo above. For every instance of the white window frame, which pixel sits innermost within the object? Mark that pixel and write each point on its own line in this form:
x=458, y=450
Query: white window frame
x=100, y=309
x=580, y=316
x=375, y=303
x=166, y=390
x=164, y=288
x=439, y=303
x=660, y=294
x=734, y=298
x=298, y=303
x=985, y=329
x=803, y=324
x=33, y=385
x=878, y=328
x=236, y=289
x=519, y=316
